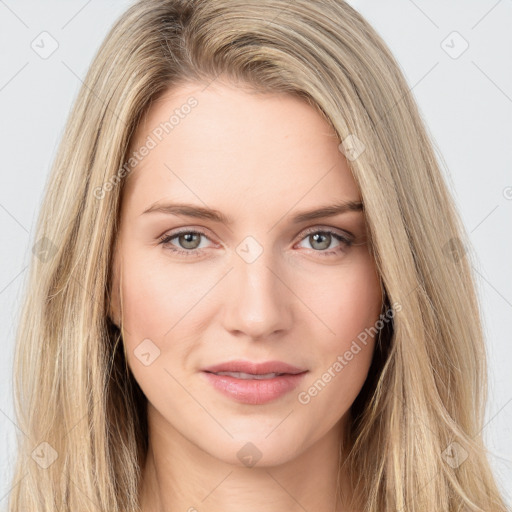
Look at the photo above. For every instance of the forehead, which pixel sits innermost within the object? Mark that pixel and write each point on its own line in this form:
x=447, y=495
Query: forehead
x=237, y=145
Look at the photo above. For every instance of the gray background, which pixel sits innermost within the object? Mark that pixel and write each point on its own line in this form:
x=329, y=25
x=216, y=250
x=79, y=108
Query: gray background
x=465, y=98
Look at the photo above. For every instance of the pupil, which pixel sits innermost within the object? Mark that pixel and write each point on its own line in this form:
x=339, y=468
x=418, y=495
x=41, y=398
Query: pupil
x=325, y=236
x=188, y=240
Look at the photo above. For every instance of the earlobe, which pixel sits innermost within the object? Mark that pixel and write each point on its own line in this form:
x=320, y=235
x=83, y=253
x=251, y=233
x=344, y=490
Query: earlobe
x=113, y=321
x=113, y=313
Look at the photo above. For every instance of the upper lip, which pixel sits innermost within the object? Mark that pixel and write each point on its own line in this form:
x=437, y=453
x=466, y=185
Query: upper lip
x=254, y=368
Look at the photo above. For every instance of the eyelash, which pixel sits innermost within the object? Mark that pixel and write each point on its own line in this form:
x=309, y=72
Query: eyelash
x=166, y=239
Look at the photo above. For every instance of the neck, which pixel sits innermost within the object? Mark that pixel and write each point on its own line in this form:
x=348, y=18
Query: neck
x=178, y=475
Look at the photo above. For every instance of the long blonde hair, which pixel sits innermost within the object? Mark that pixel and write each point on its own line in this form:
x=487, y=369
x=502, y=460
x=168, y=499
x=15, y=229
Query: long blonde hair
x=416, y=435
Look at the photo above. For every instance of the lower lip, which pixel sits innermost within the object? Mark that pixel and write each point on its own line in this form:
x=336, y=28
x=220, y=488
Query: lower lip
x=253, y=391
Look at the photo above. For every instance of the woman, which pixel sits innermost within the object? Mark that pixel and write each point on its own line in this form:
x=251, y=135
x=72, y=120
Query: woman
x=251, y=288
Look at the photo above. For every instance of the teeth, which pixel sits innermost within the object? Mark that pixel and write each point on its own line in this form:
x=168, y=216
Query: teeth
x=241, y=375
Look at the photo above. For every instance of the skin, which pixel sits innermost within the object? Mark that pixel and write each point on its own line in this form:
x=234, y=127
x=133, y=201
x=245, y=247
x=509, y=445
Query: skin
x=258, y=159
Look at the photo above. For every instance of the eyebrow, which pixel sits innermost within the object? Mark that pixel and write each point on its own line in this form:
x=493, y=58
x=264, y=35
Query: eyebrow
x=200, y=212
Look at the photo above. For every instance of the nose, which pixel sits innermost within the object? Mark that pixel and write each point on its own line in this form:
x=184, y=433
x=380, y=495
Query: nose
x=258, y=301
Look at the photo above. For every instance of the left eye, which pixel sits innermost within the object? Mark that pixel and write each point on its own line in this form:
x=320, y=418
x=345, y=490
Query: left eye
x=320, y=240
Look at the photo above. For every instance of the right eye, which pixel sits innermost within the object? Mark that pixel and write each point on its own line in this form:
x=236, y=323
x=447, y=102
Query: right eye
x=189, y=240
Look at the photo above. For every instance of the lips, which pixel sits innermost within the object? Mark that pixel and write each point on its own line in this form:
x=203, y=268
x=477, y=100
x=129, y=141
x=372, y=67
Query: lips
x=254, y=383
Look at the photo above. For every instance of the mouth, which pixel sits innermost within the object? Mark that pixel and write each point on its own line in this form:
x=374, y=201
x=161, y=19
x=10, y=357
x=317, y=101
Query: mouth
x=254, y=383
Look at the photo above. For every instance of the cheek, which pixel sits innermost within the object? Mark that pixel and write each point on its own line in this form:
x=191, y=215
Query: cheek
x=157, y=296
x=158, y=302
x=348, y=302
x=350, y=307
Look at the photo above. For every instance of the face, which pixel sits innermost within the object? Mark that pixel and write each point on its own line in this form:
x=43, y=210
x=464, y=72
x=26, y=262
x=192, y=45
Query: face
x=254, y=281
